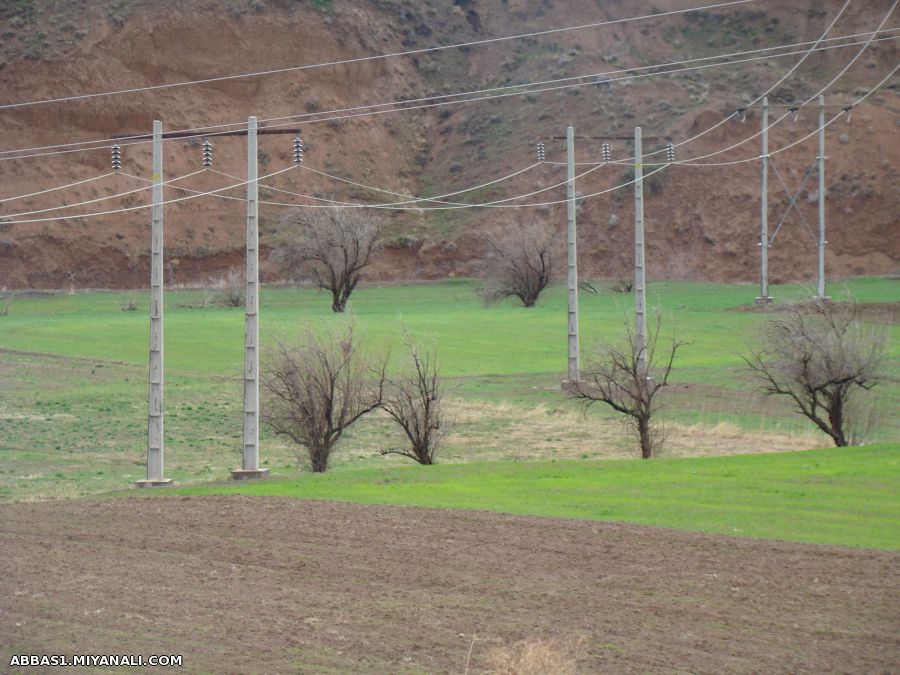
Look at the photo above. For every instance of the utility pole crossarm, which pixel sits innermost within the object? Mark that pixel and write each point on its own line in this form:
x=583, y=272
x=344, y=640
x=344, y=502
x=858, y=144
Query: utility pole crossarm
x=199, y=134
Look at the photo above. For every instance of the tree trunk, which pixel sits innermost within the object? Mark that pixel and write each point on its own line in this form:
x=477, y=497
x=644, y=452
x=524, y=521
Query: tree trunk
x=836, y=418
x=318, y=459
x=339, y=298
x=643, y=424
x=528, y=298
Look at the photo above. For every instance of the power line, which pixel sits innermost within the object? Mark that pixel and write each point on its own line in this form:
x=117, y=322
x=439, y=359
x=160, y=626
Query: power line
x=232, y=177
x=589, y=83
x=145, y=206
x=866, y=44
x=493, y=205
x=453, y=206
x=597, y=24
x=814, y=96
x=807, y=136
x=58, y=187
x=411, y=199
x=320, y=116
x=855, y=58
x=496, y=205
x=759, y=98
x=217, y=192
x=437, y=208
x=99, y=199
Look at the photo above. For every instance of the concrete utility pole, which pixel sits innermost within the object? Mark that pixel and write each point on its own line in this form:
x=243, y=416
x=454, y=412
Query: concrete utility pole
x=764, y=297
x=155, y=434
x=640, y=281
x=250, y=466
x=820, y=293
x=574, y=370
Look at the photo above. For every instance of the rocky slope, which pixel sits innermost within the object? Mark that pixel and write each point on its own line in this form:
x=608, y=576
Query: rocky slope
x=701, y=222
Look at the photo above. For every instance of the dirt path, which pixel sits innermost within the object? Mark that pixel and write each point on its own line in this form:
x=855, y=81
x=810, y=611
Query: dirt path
x=242, y=585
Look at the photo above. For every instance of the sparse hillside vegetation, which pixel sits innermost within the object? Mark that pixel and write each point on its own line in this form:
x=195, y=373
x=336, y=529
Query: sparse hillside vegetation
x=700, y=223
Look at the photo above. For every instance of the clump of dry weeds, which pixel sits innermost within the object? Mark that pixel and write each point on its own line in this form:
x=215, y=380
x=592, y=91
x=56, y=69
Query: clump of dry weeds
x=538, y=656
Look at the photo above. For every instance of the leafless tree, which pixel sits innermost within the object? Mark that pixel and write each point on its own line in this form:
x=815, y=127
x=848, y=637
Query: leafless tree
x=820, y=356
x=415, y=402
x=315, y=391
x=331, y=246
x=522, y=261
x=620, y=378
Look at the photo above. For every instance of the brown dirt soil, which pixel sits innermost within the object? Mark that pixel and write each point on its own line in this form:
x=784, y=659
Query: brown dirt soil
x=240, y=584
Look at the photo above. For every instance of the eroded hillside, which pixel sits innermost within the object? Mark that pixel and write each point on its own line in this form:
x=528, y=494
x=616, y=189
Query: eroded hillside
x=702, y=222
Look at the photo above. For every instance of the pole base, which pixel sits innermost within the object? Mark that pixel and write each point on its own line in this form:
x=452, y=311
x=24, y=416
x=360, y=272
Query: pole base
x=162, y=482
x=763, y=301
x=822, y=298
x=569, y=385
x=249, y=474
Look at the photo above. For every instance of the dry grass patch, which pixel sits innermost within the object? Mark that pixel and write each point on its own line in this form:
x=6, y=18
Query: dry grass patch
x=538, y=656
x=487, y=431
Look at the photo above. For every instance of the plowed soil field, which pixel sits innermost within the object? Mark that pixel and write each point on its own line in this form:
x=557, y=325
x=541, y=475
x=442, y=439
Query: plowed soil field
x=271, y=585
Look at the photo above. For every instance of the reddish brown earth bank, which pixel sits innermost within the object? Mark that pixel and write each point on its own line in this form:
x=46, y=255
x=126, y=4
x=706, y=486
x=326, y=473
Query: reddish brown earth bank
x=702, y=222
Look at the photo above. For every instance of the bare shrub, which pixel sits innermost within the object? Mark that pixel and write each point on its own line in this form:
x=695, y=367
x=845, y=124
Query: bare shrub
x=316, y=390
x=330, y=246
x=129, y=304
x=415, y=402
x=523, y=258
x=538, y=656
x=622, y=285
x=822, y=358
x=231, y=289
x=627, y=379
x=588, y=286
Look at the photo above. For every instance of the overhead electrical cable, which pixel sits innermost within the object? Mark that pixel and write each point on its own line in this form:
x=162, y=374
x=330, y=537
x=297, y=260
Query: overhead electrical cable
x=494, y=204
x=834, y=119
x=659, y=167
x=58, y=187
x=583, y=197
x=768, y=91
x=415, y=199
x=145, y=206
x=757, y=134
x=99, y=199
x=342, y=62
x=217, y=192
x=488, y=205
x=411, y=199
x=855, y=58
x=881, y=83
x=444, y=99
x=441, y=208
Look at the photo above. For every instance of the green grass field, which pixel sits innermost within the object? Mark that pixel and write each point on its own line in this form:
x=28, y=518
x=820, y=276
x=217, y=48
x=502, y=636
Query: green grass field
x=845, y=496
x=73, y=392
